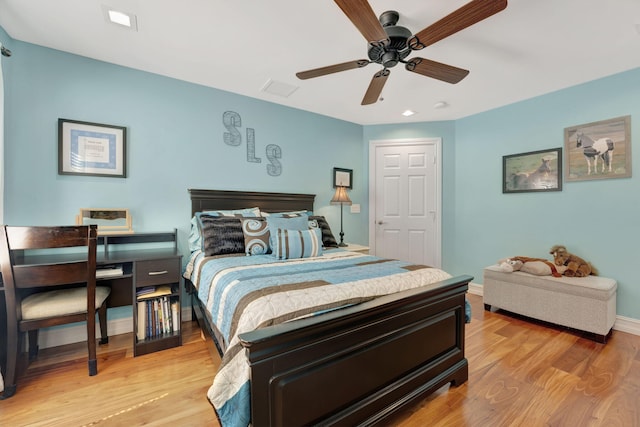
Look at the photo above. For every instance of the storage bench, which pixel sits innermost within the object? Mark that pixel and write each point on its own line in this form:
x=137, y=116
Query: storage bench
x=583, y=303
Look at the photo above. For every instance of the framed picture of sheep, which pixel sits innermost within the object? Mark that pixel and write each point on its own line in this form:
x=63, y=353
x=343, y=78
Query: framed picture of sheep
x=598, y=150
x=533, y=171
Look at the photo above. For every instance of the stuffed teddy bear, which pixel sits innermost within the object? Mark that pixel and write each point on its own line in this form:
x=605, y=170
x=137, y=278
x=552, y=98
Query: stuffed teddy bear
x=575, y=266
x=535, y=266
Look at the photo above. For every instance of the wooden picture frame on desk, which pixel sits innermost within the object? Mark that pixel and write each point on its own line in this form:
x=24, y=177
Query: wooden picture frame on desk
x=108, y=220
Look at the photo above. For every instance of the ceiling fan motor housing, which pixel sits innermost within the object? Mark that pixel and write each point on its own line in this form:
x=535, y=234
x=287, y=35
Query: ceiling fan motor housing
x=396, y=50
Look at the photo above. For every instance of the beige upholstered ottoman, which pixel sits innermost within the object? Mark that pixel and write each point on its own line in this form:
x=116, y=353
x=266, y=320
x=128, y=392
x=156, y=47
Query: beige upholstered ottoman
x=584, y=303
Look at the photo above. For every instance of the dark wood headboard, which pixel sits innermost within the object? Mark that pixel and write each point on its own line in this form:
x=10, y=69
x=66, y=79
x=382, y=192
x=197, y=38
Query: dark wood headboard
x=203, y=200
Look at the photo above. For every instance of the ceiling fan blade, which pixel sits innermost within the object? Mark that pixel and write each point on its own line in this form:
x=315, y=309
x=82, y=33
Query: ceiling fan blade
x=469, y=14
x=362, y=16
x=375, y=87
x=323, y=71
x=436, y=70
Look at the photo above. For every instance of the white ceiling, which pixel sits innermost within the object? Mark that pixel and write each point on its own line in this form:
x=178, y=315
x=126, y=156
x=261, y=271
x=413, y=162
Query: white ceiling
x=531, y=48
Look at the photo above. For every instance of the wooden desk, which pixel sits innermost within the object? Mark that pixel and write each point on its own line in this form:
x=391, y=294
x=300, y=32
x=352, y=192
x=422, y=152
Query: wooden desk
x=141, y=267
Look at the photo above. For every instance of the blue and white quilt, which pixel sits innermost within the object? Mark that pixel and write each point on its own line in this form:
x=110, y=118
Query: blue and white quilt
x=250, y=292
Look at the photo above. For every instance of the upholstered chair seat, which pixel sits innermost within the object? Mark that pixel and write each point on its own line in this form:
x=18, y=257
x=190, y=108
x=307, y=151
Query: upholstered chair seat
x=60, y=302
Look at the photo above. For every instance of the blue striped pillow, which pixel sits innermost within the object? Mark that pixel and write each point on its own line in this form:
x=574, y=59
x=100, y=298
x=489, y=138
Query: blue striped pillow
x=297, y=243
x=293, y=223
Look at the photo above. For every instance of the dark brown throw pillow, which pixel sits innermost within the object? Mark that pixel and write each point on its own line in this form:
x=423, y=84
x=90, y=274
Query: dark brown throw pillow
x=328, y=240
x=222, y=235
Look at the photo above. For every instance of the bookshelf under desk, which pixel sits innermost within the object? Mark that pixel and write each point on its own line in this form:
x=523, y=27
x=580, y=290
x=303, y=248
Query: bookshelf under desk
x=143, y=268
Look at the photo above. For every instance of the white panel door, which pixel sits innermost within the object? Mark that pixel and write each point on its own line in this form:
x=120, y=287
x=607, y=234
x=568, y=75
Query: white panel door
x=405, y=200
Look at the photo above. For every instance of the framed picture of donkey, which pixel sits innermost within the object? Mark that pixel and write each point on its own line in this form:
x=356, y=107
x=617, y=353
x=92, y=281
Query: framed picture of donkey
x=533, y=171
x=598, y=150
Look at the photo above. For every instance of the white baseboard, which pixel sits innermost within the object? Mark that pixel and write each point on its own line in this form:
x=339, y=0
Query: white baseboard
x=475, y=289
x=622, y=324
x=62, y=335
x=627, y=324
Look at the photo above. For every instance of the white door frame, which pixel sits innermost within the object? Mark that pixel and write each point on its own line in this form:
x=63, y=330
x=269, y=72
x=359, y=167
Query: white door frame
x=373, y=144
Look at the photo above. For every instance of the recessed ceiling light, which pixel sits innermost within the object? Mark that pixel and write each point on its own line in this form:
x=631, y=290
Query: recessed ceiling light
x=408, y=113
x=118, y=17
x=440, y=105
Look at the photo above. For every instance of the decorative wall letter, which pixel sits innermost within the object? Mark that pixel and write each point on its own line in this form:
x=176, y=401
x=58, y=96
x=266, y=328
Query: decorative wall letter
x=274, y=152
x=251, y=147
x=232, y=121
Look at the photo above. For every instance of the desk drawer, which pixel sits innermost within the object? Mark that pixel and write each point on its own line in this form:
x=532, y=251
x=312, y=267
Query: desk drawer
x=157, y=272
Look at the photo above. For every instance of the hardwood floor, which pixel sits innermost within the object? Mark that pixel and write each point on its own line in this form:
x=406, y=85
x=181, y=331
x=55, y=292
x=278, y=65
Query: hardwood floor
x=523, y=373
x=520, y=374
x=164, y=388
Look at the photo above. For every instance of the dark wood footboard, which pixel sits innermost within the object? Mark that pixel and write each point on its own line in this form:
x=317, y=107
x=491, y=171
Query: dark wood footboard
x=359, y=365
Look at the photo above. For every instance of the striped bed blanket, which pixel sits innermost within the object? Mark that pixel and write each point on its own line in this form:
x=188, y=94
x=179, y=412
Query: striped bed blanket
x=245, y=293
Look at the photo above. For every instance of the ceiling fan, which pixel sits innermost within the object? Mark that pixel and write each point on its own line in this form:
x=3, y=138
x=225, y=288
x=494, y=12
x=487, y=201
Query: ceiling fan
x=390, y=44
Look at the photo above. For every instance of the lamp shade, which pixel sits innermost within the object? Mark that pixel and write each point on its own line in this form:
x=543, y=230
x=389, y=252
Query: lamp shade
x=341, y=197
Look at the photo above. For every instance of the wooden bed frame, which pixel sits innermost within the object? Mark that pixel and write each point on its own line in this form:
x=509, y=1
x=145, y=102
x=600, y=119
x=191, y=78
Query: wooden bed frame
x=355, y=366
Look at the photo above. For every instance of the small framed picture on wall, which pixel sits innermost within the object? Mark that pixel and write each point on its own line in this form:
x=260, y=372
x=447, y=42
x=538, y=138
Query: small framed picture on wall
x=598, y=150
x=533, y=171
x=342, y=178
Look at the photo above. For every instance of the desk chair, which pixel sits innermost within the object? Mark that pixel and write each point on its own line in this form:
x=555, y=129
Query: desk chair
x=49, y=289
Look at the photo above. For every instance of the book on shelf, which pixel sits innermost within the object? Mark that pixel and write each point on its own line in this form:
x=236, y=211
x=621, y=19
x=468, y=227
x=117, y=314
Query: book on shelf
x=109, y=271
x=157, y=316
x=148, y=292
x=145, y=291
x=141, y=331
x=175, y=315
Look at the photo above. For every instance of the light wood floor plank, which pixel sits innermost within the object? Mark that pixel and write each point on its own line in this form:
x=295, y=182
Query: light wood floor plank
x=521, y=373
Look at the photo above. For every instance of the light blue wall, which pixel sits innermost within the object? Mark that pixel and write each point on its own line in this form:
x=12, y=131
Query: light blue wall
x=175, y=142
x=597, y=220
